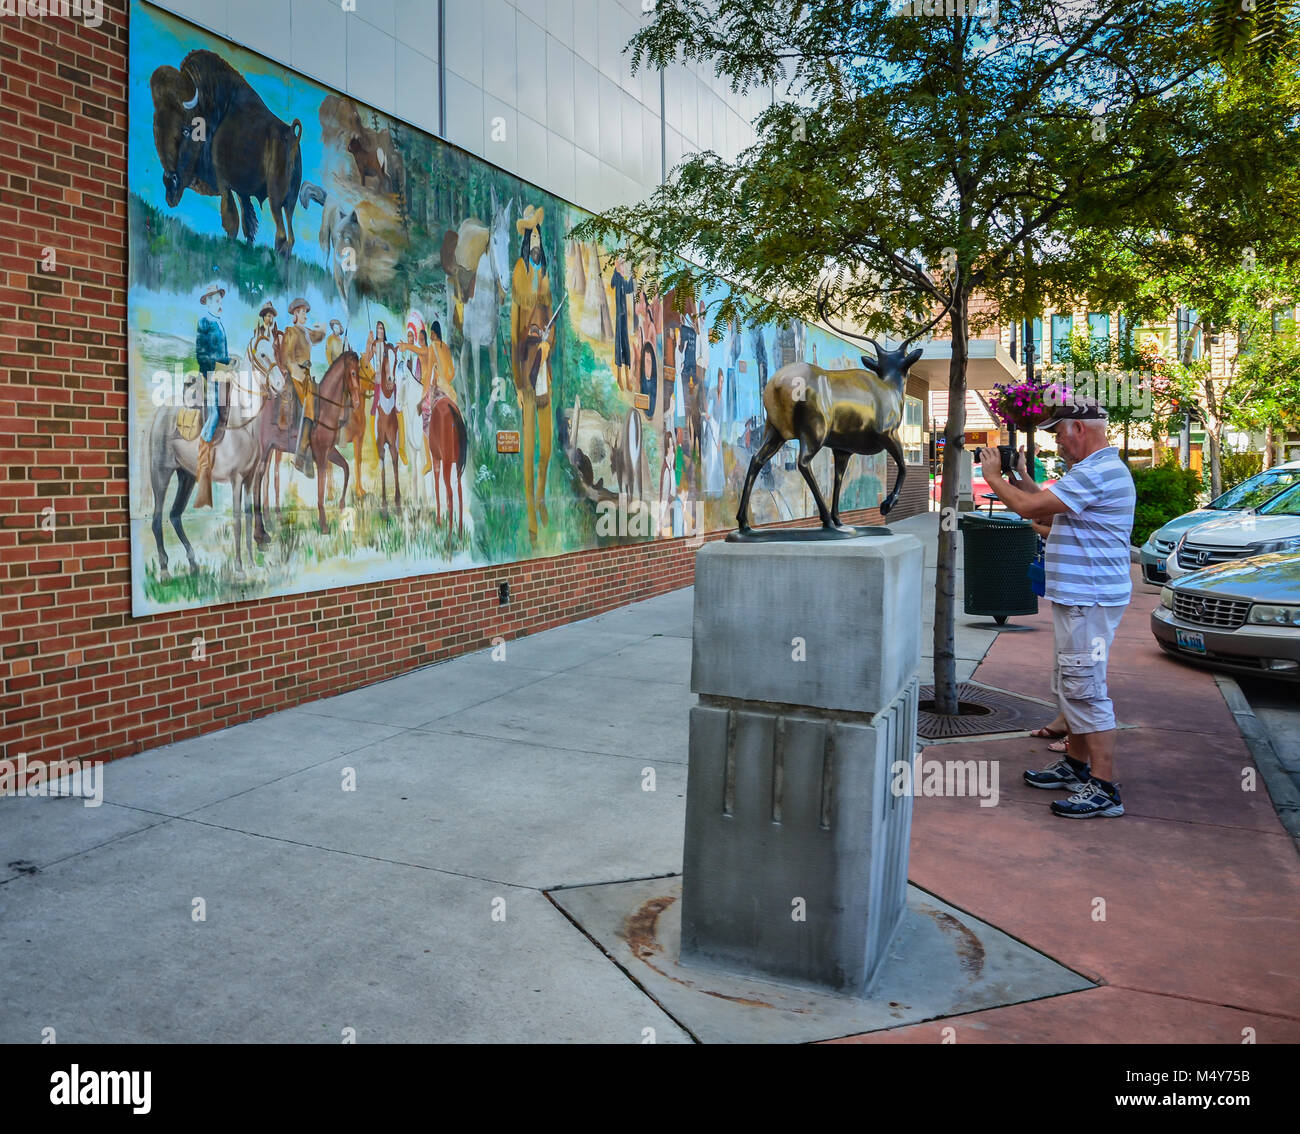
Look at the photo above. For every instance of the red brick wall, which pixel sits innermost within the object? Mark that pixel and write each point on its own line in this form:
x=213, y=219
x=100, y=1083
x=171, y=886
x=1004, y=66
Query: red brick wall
x=915, y=497
x=81, y=677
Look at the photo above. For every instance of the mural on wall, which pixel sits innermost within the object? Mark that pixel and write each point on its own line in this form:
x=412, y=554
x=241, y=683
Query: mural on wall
x=358, y=353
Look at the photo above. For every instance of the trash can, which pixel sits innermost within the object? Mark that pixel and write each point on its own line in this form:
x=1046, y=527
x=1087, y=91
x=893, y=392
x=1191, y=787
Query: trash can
x=996, y=554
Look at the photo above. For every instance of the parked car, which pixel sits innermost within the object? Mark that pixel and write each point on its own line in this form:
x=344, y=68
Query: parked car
x=1249, y=494
x=1272, y=527
x=1243, y=615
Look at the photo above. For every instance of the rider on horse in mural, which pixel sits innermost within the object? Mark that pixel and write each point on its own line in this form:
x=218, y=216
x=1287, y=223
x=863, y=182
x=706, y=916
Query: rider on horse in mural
x=296, y=350
x=210, y=351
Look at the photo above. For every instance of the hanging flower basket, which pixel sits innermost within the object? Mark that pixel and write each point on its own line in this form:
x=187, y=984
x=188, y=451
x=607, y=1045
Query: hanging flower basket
x=1024, y=406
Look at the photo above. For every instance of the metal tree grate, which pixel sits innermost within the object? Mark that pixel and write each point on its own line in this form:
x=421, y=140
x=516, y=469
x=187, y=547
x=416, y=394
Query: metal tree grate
x=983, y=711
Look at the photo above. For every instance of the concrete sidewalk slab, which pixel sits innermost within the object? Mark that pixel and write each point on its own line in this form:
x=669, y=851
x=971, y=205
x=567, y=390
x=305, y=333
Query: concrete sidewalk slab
x=298, y=944
x=941, y=961
x=661, y=658
x=609, y=715
x=427, y=694
x=526, y=815
x=558, y=649
x=180, y=777
x=36, y=832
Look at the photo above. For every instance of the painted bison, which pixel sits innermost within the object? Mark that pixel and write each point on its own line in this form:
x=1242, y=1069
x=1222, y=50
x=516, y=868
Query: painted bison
x=215, y=135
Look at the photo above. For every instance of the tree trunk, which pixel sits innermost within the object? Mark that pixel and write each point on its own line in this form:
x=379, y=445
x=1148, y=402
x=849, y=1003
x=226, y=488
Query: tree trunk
x=1214, y=438
x=945, y=581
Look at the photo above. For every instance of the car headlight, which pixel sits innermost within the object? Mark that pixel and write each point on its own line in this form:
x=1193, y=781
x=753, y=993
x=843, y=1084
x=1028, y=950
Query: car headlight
x=1167, y=597
x=1275, y=545
x=1268, y=614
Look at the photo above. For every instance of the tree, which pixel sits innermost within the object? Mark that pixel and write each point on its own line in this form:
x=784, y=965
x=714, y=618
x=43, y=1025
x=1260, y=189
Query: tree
x=1267, y=393
x=923, y=153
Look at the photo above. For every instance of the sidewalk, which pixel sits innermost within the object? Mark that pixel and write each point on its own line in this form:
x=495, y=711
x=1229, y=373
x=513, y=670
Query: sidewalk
x=415, y=907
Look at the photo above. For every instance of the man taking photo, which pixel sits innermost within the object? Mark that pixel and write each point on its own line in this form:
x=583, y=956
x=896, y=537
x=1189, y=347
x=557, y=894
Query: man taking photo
x=1090, y=510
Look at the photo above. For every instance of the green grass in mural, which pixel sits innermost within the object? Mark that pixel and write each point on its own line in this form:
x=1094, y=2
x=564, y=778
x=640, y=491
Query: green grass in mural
x=167, y=255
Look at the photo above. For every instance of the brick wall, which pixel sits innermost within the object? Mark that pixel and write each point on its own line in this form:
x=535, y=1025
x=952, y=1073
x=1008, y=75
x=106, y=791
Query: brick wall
x=81, y=677
x=915, y=497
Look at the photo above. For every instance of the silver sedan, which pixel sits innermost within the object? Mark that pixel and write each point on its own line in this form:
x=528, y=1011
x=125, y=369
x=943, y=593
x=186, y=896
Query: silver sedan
x=1242, y=615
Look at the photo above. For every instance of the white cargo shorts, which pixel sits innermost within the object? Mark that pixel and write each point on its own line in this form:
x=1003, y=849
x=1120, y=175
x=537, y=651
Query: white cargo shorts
x=1083, y=639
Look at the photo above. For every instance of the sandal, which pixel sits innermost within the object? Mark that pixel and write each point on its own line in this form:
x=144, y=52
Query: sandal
x=1046, y=733
x=1062, y=745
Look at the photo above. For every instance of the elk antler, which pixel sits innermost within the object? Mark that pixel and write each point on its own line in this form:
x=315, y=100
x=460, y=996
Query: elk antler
x=952, y=298
x=823, y=314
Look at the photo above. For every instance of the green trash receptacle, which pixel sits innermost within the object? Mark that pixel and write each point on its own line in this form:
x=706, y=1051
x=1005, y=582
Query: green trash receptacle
x=996, y=554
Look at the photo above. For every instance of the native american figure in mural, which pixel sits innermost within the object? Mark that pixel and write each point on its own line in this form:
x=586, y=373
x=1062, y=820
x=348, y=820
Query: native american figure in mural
x=532, y=338
x=387, y=419
x=215, y=135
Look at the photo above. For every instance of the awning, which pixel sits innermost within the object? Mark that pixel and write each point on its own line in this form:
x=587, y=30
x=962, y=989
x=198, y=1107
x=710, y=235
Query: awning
x=988, y=362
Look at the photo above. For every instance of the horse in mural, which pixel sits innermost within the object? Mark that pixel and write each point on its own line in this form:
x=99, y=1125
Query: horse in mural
x=337, y=397
x=477, y=262
x=236, y=459
x=277, y=431
x=449, y=448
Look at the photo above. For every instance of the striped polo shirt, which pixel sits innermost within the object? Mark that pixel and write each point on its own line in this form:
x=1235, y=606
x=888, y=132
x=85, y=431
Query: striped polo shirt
x=1087, y=552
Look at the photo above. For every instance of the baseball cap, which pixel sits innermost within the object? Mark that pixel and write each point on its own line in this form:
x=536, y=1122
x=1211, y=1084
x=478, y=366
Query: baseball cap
x=1081, y=409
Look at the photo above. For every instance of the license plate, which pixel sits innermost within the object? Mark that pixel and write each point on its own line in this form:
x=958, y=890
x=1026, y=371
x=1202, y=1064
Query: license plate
x=1192, y=640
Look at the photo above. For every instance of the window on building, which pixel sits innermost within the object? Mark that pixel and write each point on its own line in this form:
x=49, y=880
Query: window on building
x=1099, y=332
x=1127, y=346
x=912, y=433
x=1038, y=342
x=1284, y=320
x=1062, y=325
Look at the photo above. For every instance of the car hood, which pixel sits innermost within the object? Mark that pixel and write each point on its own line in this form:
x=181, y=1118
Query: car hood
x=1245, y=530
x=1172, y=530
x=1261, y=578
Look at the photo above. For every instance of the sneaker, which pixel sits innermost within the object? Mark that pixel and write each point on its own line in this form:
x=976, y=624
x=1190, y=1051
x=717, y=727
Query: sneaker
x=1096, y=797
x=1062, y=774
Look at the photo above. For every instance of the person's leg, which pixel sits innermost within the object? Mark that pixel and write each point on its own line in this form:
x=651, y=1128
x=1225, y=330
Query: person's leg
x=1070, y=771
x=1098, y=749
x=1103, y=621
x=1091, y=713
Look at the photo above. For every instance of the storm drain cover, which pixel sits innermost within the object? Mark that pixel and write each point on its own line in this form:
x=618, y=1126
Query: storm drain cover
x=983, y=711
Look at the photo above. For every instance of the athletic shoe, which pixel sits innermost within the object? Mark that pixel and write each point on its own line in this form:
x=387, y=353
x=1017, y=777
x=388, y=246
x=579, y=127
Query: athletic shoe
x=1062, y=774
x=1096, y=797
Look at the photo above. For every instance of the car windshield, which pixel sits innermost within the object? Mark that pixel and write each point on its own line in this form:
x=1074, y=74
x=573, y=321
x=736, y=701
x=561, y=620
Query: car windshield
x=1258, y=489
x=1288, y=504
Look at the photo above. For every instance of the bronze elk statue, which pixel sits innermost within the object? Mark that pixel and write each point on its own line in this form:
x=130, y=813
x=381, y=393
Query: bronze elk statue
x=845, y=411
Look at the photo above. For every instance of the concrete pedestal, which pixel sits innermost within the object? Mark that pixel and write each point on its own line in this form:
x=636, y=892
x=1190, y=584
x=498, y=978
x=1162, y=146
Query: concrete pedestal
x=805, y=658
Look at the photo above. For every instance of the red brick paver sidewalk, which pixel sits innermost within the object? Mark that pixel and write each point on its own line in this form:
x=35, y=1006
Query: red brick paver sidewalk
x=1201, y=883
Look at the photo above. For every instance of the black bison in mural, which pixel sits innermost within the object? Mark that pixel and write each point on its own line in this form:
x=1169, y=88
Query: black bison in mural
x=215, y=135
